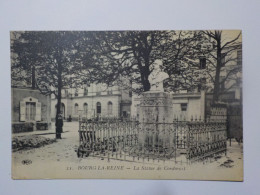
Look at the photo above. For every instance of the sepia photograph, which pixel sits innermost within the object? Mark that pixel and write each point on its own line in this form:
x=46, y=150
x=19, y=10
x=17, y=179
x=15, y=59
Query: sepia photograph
x=127, y=104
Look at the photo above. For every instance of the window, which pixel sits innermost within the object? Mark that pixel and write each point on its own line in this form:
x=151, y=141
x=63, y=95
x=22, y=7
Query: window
x=109, y=108
x=98, y=108
x=85, y=91
x=184, y=106
x=85, y=107
x=76, y=108
x=203, y=63
x=202, y=84
x=66, y=93
x=30, y=111
x=109, y=92
x=124, y=114
x=130, y=93
x=98, y=93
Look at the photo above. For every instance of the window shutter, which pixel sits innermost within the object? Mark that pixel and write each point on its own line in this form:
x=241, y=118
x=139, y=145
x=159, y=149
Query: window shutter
x=38, y=111
x=22, y=110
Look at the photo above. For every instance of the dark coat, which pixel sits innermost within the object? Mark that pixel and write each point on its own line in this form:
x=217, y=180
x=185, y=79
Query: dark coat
x=59, y=123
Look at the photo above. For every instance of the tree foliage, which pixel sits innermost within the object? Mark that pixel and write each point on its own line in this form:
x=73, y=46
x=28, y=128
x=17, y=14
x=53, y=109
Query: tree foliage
x=48, y=60
x=134, y=55
x=180, y=60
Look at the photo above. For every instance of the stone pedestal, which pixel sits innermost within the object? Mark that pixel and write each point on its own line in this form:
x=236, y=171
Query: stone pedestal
x=156, y=112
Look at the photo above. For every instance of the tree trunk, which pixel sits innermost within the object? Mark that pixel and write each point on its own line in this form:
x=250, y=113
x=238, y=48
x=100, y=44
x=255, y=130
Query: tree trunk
x=33, y=78
x=144, y=76
x=58, y=122
x=217, y=83
x=146, y=85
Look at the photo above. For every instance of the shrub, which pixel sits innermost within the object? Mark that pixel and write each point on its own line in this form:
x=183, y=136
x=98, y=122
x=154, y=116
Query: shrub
x=22, y=127
x=42, y=126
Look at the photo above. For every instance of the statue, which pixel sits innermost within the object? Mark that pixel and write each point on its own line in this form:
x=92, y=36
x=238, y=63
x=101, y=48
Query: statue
x=156, y=79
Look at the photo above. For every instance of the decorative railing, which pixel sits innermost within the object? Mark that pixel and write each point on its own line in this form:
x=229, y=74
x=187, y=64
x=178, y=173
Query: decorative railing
x=108, y=139
x=206, y=138
x=131, y=140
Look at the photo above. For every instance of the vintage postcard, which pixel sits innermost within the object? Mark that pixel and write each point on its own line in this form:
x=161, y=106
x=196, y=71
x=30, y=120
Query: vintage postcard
x=127, y=105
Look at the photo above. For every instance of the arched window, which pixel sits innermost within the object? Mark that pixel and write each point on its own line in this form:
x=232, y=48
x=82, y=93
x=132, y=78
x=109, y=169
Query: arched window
x=98, y=108
x=85, y=107
x=76, y=108
x=109, y=108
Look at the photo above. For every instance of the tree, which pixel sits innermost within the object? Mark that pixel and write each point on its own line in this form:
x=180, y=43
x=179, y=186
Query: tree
x=219, y=56
x=180, y=60
x=23, y=61
x=50, y=58
x=129, y=54
x=135, y=54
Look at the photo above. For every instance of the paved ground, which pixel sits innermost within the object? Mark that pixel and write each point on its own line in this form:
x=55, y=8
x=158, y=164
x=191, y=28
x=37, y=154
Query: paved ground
x=63, y=149
x=43, y=162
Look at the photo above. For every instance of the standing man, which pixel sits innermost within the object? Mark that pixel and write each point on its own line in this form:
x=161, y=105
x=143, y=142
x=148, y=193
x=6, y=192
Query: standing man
x=59, y=125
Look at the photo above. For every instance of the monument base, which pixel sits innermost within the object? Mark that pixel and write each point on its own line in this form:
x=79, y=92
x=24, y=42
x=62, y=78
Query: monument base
x=156, y=114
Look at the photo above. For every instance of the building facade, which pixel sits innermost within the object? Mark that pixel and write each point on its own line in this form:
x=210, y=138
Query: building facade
x=29, y=106
x=95, y=100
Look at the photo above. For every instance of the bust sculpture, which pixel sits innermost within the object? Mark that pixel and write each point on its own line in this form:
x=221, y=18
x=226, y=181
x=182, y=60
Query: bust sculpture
x=156, y=79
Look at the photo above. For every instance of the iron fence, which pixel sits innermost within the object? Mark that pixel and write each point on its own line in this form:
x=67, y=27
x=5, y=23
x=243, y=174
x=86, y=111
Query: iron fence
x=206, y=139
x=131, y=140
